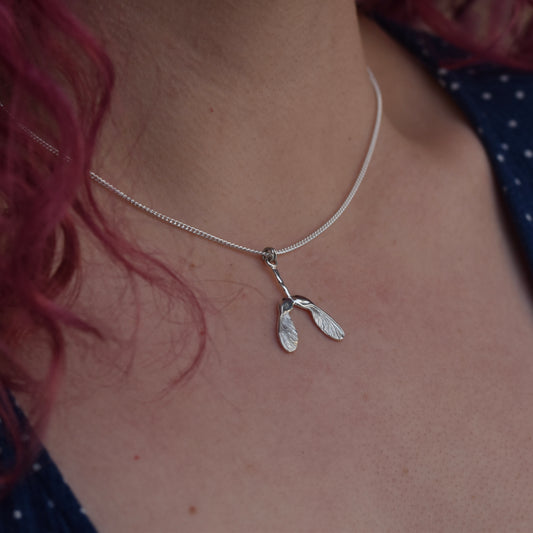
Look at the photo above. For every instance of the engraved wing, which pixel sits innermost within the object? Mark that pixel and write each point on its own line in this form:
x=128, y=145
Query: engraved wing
x=288, y=336
x=321, y=318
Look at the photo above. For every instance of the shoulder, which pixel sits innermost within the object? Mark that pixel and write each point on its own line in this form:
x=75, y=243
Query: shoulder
x=498, y=105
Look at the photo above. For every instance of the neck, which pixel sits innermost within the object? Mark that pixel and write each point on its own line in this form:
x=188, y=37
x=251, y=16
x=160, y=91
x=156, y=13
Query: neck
x=222, y=103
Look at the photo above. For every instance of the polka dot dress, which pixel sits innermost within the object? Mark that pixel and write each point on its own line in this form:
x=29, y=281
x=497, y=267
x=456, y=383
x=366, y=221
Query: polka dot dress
x=499, y=105
x=41, y=502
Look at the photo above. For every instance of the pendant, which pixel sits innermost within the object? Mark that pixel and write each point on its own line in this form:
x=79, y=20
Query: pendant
x=288, y=336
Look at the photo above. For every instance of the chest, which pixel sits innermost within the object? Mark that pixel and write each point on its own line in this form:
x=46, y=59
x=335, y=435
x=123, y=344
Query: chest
x=420, y=420
x=425, y=435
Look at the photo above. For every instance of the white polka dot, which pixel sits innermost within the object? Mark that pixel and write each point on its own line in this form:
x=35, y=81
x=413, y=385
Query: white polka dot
x=51, y=504
x=505, y=146
x=36, y=467
x=520, y=95
x=500, y=158
x=442, y=71
x=517, y=182
x=486, y=96
x=455, y=85
x=512, y=123
x=83, y=511
x=504, y=78
x=528, y=153
x=17, y=515
x=529, y=218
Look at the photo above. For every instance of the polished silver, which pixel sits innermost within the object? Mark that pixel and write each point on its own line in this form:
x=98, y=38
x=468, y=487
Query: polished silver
x=224, y=242
x=287, y=333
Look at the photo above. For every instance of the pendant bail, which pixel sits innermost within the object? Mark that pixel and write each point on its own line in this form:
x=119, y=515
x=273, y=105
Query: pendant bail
x=270, y=257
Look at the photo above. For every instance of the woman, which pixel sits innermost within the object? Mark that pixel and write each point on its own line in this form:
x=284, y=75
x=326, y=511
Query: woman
x=176, y=407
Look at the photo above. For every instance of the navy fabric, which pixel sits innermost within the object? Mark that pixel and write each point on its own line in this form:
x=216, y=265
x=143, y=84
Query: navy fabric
x=43, y=503
x=499, y=104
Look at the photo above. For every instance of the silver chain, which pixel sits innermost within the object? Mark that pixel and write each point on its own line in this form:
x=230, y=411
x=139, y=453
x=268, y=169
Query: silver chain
x=210, y=237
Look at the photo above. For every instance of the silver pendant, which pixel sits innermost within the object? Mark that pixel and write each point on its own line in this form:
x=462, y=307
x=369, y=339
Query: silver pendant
x=288, y=336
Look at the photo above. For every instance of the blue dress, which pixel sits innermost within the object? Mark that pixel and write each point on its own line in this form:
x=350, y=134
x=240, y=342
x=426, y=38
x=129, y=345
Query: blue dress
x=499, y=104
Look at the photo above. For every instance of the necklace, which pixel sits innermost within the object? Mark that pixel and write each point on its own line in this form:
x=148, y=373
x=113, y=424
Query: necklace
x=287, y=333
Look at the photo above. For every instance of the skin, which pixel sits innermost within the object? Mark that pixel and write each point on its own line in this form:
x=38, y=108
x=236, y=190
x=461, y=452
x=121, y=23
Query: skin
x=421, y=419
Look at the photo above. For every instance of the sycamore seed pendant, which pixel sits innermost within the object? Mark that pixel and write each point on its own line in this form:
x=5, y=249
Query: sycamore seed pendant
x=288, y=336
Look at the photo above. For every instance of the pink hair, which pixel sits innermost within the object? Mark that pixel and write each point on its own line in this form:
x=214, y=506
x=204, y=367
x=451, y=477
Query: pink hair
x=498, y=31
x=57, y=81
